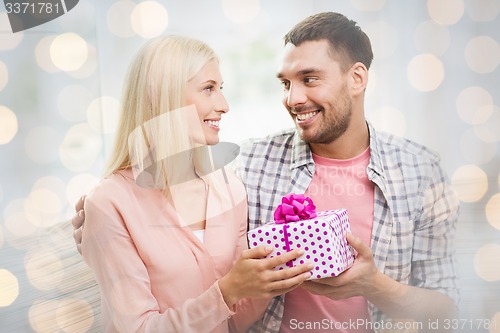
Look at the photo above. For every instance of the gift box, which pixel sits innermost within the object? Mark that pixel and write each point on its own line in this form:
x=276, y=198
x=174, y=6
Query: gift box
x=321, y=235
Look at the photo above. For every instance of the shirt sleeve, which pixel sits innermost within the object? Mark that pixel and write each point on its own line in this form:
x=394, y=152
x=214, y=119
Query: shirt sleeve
x=126, y=295
x=434, y=263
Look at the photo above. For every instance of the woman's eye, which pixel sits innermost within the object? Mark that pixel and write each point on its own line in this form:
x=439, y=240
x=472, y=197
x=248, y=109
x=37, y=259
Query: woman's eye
x=209, y=88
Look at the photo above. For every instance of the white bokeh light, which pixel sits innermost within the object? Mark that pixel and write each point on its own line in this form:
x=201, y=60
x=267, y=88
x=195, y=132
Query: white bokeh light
x=384, y=38
x=489, y=131
x=4, y=75
x=241, y=11
x=470, y=183
x=44, y=268
x=8, y=125
x=486, y=262
x=40, y=143
x=425, y=72
x=71, y=308
x=482, y=54
x=493, y=211
x=431, y=37
x=446, y=12
x=73, y=101
x=42, y=55
x=68, y=51
x=8, y=40
x=42, y=316
x=9, y=288
x=118, y=18
x=80, y=148
x=149, y=19
x=103, y=114
x=474, y=105
x=43, y=208
x=89, y=67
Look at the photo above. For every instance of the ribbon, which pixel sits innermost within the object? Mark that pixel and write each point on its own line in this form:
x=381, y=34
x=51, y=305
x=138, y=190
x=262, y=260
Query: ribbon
x=293, y=208
x=287, y=242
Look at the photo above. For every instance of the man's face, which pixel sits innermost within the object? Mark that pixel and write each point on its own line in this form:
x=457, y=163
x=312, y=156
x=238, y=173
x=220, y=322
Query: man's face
x=315, y=91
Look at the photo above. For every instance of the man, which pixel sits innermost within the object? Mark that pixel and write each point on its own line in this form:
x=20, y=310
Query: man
x=401, y=208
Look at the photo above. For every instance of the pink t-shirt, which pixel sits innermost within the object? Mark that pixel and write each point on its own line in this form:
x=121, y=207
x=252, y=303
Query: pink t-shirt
x=335, y=184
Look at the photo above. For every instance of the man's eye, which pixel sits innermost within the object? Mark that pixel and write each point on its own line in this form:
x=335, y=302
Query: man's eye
x=285, y=84
x=309, y=79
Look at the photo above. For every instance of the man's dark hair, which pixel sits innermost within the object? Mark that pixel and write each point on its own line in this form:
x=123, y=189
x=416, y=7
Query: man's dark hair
x=348, y=43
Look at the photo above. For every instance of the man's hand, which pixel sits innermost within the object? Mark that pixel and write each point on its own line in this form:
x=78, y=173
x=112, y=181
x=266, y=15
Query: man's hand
x=78, y=221
x=358, y=280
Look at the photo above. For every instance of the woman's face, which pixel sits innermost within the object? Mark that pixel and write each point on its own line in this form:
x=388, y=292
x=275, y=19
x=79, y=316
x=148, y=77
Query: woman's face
x=204, y=91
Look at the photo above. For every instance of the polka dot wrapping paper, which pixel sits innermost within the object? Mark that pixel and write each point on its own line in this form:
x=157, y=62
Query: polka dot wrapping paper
x=322, y=238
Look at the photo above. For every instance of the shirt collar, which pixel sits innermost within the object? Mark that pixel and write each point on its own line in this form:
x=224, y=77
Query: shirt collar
x=302, y=155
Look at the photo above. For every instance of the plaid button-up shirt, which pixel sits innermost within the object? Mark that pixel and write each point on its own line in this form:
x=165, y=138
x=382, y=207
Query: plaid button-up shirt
x=415, y=208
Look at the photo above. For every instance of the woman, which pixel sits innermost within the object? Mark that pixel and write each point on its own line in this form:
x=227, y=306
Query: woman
x=165, y=234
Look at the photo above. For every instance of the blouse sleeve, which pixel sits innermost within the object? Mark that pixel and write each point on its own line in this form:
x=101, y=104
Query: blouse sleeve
x=109, y=250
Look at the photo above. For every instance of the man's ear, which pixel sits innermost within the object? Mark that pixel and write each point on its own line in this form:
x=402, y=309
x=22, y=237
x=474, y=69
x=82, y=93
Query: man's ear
x=358, y=78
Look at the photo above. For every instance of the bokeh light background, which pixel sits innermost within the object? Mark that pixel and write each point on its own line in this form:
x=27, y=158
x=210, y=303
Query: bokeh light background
x=435, y=79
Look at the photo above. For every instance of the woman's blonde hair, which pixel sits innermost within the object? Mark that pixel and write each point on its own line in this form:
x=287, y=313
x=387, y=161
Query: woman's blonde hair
x=153, y=127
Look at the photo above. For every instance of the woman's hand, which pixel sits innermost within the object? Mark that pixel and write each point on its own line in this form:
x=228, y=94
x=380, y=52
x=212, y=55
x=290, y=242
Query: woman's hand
x=253, y=275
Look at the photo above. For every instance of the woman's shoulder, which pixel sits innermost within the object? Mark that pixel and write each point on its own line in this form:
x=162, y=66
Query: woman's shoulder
x=117, y=185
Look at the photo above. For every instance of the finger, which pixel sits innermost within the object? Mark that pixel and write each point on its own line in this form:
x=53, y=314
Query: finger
x=79, y=204
x=290, y=283
x=284, y=258
x=257, y=252
x=288, y=273
x=358, y=244
x=77, y=235
x=78, y=219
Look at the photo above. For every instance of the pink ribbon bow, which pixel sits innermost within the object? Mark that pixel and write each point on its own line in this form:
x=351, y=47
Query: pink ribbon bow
x=293, y=208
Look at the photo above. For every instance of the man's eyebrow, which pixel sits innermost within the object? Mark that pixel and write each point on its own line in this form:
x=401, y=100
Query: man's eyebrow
x=302, y=72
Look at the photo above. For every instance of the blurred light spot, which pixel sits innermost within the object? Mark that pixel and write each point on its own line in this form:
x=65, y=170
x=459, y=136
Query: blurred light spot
x=486, y=262
x=384, y=38
x=79, y=185
x=89, y=66
x=149, y=19
x=44, y=268
x=42, y=55
x=425, y=72
x=103, y=114
x=8, y=40
x=4, y=75
x=80, y=148
x=74, y=316
x=431, y=37
x=483, y=11
x=474, y=105
x=389, y=119
x=369, y=6
x=52, y=183
x=42, y=316
x=445, y=11
x=371, y=88
x=8, y=125
x=476, y=151
x=241, y=11
x=73, y=101
x=17, y=226
x=40, y=143
x=470, y=182
x=43, y=208
x=489, y=131
x=116, y=18
x=482, y=54
x=493, y=211
x=9, y=288
x=68, y=51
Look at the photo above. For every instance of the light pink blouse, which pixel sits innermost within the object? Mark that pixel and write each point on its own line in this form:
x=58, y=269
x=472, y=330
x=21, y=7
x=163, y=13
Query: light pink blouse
x=154, y=274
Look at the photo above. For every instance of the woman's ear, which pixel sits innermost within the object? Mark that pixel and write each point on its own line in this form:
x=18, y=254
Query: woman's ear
x=359, y=78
